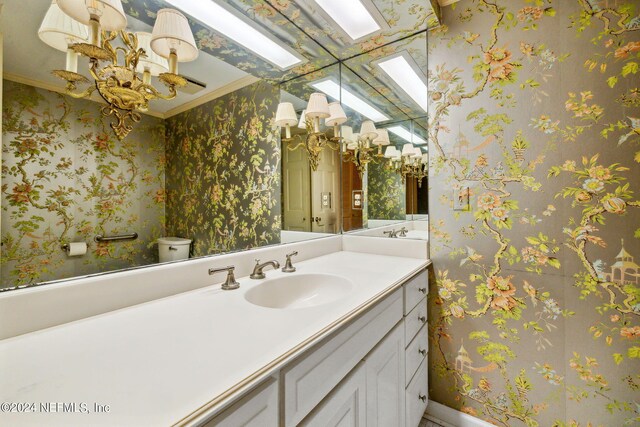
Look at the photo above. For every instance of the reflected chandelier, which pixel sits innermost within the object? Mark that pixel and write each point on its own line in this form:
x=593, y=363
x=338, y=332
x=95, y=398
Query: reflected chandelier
x=360, y=149
x=314, y=141
x=410, y=163
x=121, y=74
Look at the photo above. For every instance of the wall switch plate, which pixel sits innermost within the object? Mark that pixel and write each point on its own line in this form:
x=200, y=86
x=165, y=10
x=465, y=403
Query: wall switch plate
x=356, y=199
x=461, y=199
x=325, y=198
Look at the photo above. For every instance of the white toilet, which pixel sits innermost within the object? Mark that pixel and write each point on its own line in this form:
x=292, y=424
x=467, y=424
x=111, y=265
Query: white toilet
x=173, y=248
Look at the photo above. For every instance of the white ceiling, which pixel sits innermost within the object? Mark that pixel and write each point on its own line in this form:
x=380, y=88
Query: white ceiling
x=28, y=58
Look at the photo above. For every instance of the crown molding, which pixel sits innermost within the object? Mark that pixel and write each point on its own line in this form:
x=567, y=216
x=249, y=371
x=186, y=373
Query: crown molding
x=231, y=87
x=221, y=91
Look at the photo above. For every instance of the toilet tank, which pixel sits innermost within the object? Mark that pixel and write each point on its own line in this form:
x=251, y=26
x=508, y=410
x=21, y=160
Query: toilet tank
x=173, y=248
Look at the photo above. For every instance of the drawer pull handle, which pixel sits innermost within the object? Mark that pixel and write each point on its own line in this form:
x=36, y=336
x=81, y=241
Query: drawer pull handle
x=423, y=290
x=422, y=397
x=422, y=319
x=422, y=352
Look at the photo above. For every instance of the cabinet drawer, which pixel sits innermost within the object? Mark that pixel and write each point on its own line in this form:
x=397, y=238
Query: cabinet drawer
x=310, y=378
x=345, y=406
x=259, y=408
x=415, y=320
x=415, y=353
x=417, y=397
x=415, y=289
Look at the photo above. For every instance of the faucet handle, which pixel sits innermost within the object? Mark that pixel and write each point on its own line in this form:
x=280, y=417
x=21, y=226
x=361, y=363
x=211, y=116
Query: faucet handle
x=403, y=232
x=230, y=283
x=288, y=267
x=391, y=233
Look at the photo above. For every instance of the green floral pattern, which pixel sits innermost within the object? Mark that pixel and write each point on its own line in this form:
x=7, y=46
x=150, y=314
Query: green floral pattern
x=385, y=193
x=223, y=172
x=536, y=300
x=66, y=178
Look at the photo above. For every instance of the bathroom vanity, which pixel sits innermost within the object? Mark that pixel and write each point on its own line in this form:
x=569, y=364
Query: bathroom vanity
x=345, y=342
x=372, y=371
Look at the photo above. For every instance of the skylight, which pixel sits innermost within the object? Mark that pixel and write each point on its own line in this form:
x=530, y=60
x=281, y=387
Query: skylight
x=352, y=101
x=406, y=135
x=351, y=15
x=230, y=25
x=399, y=69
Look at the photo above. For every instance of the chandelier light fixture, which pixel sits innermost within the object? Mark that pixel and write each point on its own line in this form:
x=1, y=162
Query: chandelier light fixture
x=314, y=141
x=408, y=163
x=120, y=73
x=360, y=148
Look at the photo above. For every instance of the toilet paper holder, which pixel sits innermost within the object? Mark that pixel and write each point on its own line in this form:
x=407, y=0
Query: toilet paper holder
x=65, y=246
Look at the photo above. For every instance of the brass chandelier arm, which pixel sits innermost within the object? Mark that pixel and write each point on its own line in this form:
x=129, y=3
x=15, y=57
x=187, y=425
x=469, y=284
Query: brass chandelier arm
x=79, y=95
x=156, y=94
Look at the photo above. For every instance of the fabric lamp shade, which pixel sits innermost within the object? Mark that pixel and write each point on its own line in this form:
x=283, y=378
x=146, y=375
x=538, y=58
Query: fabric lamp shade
x=391, y=152
x=368, y=130
x=336, y=115
x=154, y=62
x=347, y=133
x=417, y=152
x=382, y=138
x=172, y=32
x=318, y=107
x=286, y=115
x=425, y=158
x=302, y=124
x=59, y=30
x=110, y=12
x=352, y=145
x=407, y=150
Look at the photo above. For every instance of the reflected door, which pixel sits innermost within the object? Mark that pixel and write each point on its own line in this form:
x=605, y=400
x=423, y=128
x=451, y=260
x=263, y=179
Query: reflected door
x=325, y=192
x=296, y=189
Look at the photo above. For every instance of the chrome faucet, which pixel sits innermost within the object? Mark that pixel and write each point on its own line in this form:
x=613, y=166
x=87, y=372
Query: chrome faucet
x=391, y=233
x=257, y=270
x=403, y=232
x=230, y=283
x=288, y=267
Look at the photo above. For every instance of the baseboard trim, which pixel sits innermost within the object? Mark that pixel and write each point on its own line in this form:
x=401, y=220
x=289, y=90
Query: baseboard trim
x=454, y=417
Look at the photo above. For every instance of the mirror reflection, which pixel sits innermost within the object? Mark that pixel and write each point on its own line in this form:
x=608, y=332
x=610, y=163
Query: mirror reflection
x=392, y=165
x=114, y=159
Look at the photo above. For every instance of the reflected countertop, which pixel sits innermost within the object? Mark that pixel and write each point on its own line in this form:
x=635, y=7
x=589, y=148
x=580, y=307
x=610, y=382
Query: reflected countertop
x=157, y=362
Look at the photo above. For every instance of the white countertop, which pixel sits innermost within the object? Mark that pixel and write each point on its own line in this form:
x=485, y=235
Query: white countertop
x=158, y=362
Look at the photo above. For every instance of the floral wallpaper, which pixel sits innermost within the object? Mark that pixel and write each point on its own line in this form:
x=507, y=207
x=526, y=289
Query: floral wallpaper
x=66, y=178
x=385, y=193
x=223, y=172
x=535, y=302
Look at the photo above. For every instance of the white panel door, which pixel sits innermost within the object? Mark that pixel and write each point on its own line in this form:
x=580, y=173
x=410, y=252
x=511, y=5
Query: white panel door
x=325, y=192
x=296, y=190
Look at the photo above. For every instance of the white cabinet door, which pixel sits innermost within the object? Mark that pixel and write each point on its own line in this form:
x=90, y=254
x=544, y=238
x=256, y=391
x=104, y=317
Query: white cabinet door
x=257, y=409
x=385, y=367
x=344, y=406
x=310, y=378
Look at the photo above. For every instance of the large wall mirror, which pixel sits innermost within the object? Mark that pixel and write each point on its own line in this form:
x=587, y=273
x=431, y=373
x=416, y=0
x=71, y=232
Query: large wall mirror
x=208, y=171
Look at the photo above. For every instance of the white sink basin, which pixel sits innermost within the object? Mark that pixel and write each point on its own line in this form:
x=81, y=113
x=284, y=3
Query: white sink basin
x=299, y=290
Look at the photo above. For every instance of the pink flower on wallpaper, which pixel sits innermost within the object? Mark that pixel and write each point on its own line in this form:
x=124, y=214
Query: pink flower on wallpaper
x=499, y=66
x=624, y=51
x=529, y=14
x=488, y=201
x=630, y=332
